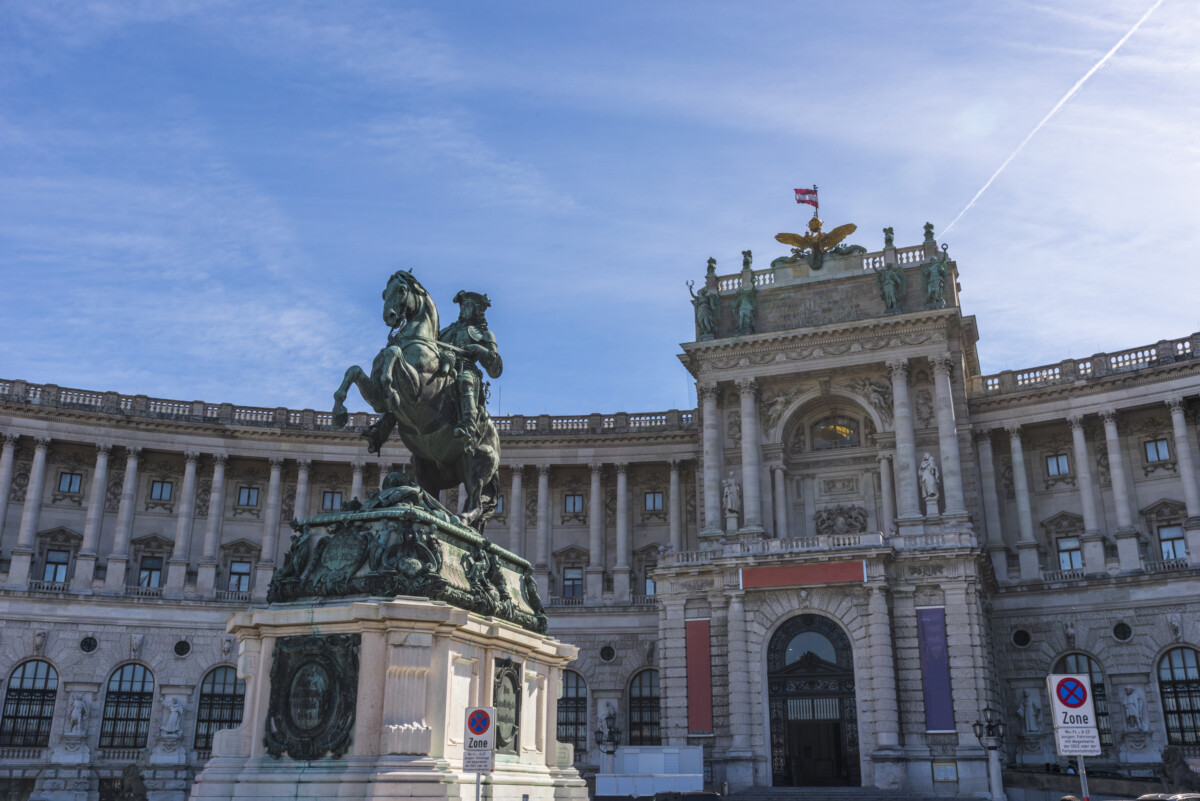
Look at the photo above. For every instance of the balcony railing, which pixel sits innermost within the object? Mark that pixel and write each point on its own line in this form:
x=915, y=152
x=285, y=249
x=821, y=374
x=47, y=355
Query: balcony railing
x=144, y=592
x=1059, y=576
x=47, y=586
x=27, y=754
x=556, y=600
x=1167, y=565
x=125, y=755
x=232, y=595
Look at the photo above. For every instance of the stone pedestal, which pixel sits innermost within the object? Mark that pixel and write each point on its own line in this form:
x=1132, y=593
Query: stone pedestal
x=366, y=700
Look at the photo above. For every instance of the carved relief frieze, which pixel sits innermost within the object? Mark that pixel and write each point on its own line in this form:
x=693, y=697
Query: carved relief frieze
x=20, y=482
x=923, y=408
x=733, y=427
x=877, y=394
x=839, y=485
x=841, y=519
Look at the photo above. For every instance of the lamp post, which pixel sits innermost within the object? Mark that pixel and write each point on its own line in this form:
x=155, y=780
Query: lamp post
x=608, y=738
x=990, y=733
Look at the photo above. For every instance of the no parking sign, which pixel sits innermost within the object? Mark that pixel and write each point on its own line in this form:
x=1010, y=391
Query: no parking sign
x=1074, y=715
x=479, y=740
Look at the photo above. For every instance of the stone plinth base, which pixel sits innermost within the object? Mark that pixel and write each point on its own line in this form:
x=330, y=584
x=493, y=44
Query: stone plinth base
x=371, y=702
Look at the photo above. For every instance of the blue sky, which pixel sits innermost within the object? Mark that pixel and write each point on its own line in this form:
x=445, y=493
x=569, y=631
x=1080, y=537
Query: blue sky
x=202, y=200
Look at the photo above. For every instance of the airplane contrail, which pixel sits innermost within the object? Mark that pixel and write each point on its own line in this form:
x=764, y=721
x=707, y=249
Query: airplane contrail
x=1074, y=89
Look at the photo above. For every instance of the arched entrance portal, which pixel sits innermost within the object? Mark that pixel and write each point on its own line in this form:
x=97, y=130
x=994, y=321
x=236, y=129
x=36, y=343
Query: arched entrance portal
x=814, y=719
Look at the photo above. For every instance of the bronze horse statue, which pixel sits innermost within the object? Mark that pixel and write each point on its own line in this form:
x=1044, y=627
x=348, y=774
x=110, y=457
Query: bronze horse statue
x=412, y=386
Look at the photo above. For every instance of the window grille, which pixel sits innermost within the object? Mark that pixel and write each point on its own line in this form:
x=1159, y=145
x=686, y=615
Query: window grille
x=572, y=713
x=643, y=709
x=222, y=698
x=1179, y=686
x=29, y=706
x=127, y=705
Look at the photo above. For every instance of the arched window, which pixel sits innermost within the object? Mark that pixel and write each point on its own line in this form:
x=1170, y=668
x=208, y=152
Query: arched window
x=222, y=697
x=835, y=432
x=1179, y=685
x=127, y=704
x=29, y=706
x=643, y=709
x=572, y=712
x=1081, y=664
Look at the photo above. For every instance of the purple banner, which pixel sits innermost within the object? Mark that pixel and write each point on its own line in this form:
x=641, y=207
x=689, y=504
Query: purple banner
x=935, y=669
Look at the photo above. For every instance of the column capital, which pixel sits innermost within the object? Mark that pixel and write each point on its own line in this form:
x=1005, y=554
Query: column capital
x=357, y=466
x=41, y=443
x=706, y=392
x=191, y=457
x=133, y=452
x=885, y=457
x=942, y=364
x=1109, y=416
x=304, y=465
x=622, y=468
x=276, y=462
x=747, y=386
x=1014, y=430
x=981, y=433
x=516, y=469
x=103, y=448
x=9, y=440
x=674, y=464
x=898, y=369
x=1175, y=403
x=543, y=470
x=596, y=468
x=220, y=459
x=1075, y=421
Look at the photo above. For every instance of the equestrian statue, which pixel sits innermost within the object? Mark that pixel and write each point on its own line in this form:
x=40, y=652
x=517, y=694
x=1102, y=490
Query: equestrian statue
x=427, y=386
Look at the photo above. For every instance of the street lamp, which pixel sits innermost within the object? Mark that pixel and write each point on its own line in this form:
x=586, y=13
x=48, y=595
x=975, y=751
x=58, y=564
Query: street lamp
x=990, y=733
x=608, y=738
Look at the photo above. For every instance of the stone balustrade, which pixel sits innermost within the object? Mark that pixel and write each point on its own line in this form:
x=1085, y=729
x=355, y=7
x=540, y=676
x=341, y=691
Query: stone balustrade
x=311, y=420
x=1099, y=365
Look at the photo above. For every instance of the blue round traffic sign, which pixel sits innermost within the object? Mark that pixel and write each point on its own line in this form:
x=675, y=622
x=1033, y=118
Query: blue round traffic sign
x=1071, y=692
x=479, y=721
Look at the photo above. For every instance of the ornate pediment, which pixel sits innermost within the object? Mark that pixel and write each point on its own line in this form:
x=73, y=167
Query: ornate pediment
x=570, y=555
x=153, y=542
x=1165, y=510
x=1063, y=524
x=60, y=536
x=240, y=548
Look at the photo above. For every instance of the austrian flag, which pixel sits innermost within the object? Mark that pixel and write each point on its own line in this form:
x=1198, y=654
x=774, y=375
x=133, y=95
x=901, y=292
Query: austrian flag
x=808, y=196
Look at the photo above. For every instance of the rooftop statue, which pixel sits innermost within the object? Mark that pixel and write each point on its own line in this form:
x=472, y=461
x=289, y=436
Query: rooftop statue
x=427, y=386
x=933, y=276
x=815, y=243
x=708, y=308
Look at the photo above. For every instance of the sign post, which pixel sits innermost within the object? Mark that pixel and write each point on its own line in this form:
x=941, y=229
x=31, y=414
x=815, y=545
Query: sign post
x=479, y=742
x=1074, y=715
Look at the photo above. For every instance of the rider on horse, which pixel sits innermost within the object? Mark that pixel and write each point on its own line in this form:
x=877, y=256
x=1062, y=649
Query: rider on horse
x=475, y=343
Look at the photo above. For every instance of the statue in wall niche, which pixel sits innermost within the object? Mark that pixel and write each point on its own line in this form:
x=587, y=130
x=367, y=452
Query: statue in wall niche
x=1135, y=710
x=731, y=495
x=1030, y=712
x=745, y=307
x=77, y=714
x=930, y=477
x=172, y=725
x=708, y=308
x=892, y=287
x=427, y=386
x=933, y=276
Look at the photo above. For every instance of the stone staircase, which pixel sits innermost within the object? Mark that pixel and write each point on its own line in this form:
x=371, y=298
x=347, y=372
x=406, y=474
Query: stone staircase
x=831, y=794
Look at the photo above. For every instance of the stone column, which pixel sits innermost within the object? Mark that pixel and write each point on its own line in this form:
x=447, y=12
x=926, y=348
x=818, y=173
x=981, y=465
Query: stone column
x=779, y=479
x=114, y=579
x=1187, y=474
x=991, y=504
x=300, y=505
x=740, y=757
x=712, y=460
x=595, y=568
x=888, y=757
x=7, y=452
x=621, y=578
x=948, y=436
x=541, y=562
x=887, y=520
x=1092, y=540
x=751, y=459
x=22, y=553
x=1027, y=547
x=1129, y=539
x=809, y=488
x=906, y=444
x=85, y=560
x=206, y=568
x=266, y=560
x=675, y=508
x=516, y=510
x=177, y=565
x=356, y=479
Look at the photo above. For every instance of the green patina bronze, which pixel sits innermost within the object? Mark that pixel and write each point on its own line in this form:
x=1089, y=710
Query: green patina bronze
x=933, y=277
x=892, y=287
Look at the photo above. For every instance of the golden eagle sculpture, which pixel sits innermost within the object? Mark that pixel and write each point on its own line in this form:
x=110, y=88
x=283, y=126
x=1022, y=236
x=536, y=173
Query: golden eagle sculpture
x=814, y=244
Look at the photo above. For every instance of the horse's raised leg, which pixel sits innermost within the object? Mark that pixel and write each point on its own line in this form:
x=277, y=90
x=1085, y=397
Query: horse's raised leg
x=369, y=390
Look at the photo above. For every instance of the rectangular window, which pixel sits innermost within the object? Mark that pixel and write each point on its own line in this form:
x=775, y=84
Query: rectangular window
x=1170, y=539
x=1070, y=557
x=160, y=490
x=150, y=572
x=239, y=576
x=332, y=502
x=500, y=504
x=70, y=482
x=573, y=504
x=55, y=568
x=1157, y=451
x=649, y=586
x=248, y=496
x=654, y=501
x=572, y=583
x=1057, y=465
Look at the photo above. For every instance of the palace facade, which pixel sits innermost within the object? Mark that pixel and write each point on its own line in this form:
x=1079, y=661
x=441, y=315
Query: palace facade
x=824, y=575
